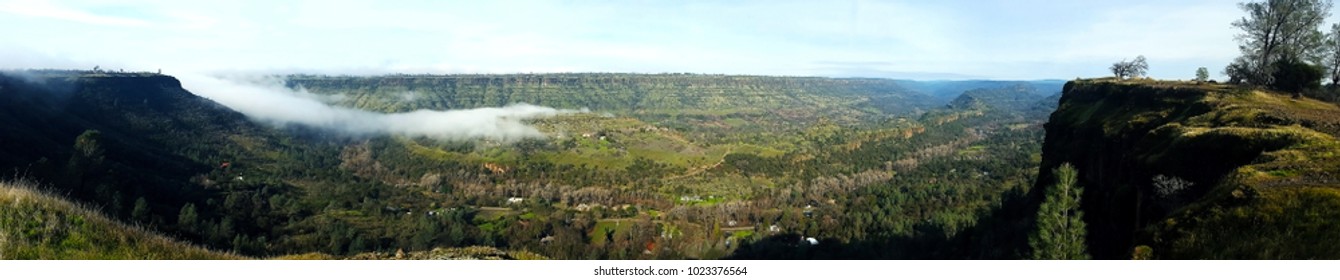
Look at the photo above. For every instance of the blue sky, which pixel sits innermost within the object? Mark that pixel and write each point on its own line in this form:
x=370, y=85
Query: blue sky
x=891, y=39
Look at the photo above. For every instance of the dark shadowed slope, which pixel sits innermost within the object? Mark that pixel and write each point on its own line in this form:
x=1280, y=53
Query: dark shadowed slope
x=1263, y=168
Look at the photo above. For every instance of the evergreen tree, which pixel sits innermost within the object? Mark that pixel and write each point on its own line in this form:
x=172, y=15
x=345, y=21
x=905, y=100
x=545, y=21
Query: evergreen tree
x=86, y=163
x=187, y=218
x=1060, y=232
x=141, y=211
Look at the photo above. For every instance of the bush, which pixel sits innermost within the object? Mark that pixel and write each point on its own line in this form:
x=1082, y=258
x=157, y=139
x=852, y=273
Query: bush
x=1295, y=77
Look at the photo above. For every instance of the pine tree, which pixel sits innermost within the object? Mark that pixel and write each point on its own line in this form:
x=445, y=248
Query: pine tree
x=141, y=211
x=86, y=164
x=1060, y=232
x=187, y=218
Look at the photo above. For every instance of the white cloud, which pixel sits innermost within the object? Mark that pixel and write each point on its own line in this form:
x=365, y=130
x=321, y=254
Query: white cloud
x=1015, y=39
x=267, y=100
x=43, y=9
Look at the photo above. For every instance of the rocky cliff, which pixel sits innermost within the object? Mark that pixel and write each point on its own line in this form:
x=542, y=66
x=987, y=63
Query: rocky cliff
x=1199, y=171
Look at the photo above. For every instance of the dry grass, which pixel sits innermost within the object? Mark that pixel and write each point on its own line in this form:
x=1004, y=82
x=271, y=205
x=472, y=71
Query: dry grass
x=38, y=225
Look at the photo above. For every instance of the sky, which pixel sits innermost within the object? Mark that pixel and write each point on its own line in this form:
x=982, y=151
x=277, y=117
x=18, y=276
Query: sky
x=1003, y=40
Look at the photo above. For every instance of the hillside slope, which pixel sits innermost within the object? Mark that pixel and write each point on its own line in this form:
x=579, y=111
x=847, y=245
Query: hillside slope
x=37, y=225
x=114, y=140
x=152, y=134
x=1259, y=171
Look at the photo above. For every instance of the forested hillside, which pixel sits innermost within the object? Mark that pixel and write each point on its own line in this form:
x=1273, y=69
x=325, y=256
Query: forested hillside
x=664, y=166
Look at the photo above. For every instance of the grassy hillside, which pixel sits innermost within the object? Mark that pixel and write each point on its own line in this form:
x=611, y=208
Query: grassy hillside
x=1261, y=167
x=38, y=225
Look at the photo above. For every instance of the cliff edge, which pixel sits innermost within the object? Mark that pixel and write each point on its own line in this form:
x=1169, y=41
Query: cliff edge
x=1199, y=171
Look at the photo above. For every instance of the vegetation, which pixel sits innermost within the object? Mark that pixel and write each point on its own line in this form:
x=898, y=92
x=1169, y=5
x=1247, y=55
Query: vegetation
x=1060, y=223
x=1277, y=35
x=687, y=166
x=852, y=162
x=38, y=225
x=1330, y=56
x=1238, y=172
x=1132, y=69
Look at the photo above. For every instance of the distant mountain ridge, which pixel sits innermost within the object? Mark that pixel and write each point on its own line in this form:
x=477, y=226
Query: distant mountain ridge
x=948, y=89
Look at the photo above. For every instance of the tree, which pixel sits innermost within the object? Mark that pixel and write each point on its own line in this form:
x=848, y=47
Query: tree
x=187, y=218
x=1139, y=67
x=1202, y=75
x=1294, y=76
x=1276, y=30
x=1131, y=69
x=141, y=211
x=1237, y=71
x=1120, y=69
x=86, y=162
x=1331, y=54
x=1060, y=232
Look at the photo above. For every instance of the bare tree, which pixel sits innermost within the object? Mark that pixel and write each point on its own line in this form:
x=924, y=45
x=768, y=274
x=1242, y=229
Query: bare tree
x=1120, y=69
x=1139, y=67
x=1132, y=69
x=1166, y=186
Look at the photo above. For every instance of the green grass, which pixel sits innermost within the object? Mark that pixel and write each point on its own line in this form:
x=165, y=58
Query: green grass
x=620, y=227
x=1283, y=223
x=735, y=122
x=37, y=225
x=759, y=150
x=742, y=235
x=972, y=150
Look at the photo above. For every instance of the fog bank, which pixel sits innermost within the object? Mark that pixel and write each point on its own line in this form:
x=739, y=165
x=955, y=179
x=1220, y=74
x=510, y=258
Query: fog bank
x=268, y=100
